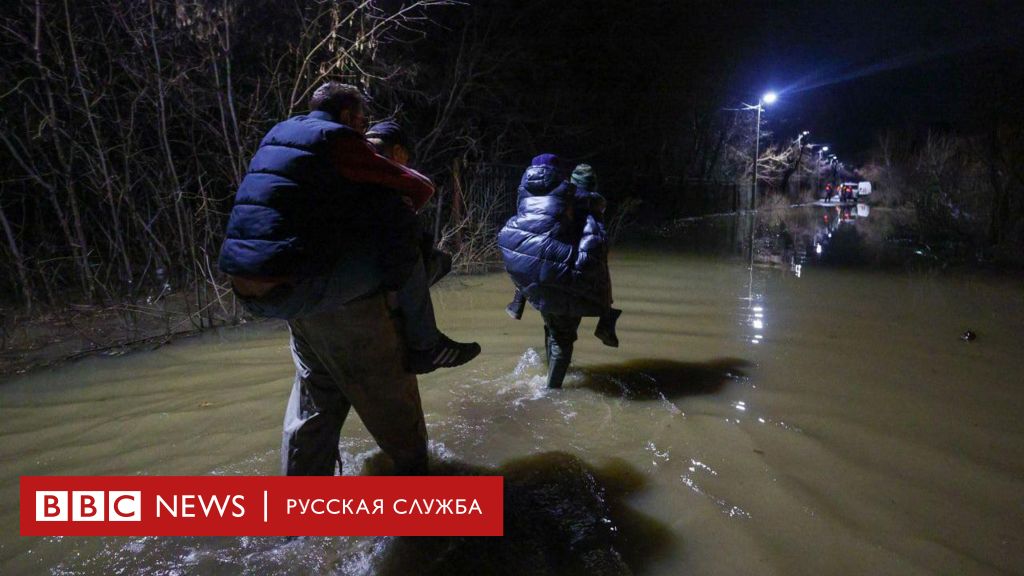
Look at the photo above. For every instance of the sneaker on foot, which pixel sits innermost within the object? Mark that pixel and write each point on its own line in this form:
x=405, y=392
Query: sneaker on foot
x=606, y=327
x=446, y=354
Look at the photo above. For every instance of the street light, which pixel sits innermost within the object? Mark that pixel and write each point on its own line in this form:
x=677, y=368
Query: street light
x=834, y=163
x=817, y=170
x=800, y=155
x=768, y=98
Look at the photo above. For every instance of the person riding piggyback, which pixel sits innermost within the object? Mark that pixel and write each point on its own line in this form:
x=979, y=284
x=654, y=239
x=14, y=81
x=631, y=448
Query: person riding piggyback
x=556, y=251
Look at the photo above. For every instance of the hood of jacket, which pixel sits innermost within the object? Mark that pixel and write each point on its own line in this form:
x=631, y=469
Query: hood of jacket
x=540, y=180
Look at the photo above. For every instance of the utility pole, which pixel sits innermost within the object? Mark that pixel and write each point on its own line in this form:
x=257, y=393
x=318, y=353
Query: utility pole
x=799, y=159
x=768, y=98
x=757, y=151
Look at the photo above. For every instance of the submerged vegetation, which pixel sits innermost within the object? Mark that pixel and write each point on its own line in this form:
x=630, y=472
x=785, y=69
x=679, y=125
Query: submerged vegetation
x=967, y=190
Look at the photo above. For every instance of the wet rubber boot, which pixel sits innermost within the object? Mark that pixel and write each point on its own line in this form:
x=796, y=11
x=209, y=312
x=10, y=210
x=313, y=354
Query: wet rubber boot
x=605, y=330
x=515, y=309
x=559, y=357
x=556, y=372
x=516, y=306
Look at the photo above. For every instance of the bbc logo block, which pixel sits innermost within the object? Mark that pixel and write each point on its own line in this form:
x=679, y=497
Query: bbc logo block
x=89, y=506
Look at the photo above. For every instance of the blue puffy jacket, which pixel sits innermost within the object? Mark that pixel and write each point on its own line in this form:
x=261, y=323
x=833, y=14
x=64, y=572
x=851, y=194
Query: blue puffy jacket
x=294, y=214
x=555, y=254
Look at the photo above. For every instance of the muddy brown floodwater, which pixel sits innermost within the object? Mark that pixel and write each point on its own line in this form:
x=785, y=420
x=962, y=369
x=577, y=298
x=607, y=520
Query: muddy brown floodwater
x=769, y=412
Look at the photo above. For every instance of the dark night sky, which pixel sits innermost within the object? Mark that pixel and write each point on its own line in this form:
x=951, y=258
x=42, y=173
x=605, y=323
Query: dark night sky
x=846, y=70
x=843, y=70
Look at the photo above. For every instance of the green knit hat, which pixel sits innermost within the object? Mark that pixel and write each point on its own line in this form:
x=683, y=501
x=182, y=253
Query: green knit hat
x=584, y=177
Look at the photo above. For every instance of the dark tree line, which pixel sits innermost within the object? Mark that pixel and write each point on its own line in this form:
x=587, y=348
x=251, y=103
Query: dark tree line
x=966, y=184
x=126, y=126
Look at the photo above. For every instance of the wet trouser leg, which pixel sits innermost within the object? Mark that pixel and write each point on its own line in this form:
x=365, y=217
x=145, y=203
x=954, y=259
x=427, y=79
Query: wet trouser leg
x=351, y=358
x=438, y=264
x=420, y=324
x=559, y=336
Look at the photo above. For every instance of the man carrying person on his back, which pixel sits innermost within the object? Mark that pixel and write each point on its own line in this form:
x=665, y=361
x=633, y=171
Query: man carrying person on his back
x=322, y=228
x=555, y=250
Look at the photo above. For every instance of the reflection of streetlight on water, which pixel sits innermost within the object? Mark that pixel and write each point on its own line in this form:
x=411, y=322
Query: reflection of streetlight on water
x=755, y=317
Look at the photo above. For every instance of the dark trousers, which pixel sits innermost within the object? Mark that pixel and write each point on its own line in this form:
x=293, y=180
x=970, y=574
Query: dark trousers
x=559, y=336
x=354, y=276
x=351, y=358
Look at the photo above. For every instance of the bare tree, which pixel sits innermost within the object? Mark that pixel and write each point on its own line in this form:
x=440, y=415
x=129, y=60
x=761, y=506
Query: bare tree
x=127, y=127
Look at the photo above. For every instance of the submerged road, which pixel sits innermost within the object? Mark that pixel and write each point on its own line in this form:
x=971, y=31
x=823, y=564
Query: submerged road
x=757, y=419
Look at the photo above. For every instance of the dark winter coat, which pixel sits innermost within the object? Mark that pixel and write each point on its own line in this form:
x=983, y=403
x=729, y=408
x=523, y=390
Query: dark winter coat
x=592, y=260
x=294, y=214
x=556, y=256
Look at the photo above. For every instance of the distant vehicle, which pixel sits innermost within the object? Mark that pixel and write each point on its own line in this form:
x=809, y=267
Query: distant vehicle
x=859, y=188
